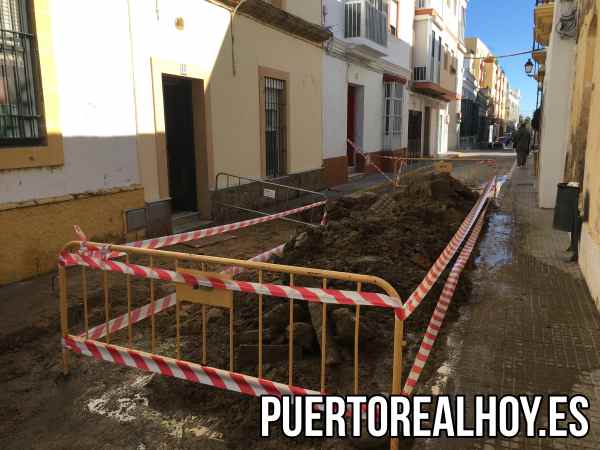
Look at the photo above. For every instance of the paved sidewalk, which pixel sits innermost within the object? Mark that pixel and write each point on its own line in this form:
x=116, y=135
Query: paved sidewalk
x=531, y=326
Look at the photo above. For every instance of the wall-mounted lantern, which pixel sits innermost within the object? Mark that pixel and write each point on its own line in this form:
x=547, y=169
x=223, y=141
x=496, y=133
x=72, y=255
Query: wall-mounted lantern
x=529, y=67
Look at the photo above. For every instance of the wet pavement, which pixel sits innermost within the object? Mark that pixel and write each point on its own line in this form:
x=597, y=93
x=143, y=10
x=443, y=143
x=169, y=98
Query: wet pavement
x=531, y=326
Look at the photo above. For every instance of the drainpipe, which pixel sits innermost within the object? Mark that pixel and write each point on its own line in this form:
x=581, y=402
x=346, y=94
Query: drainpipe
x=233, y=13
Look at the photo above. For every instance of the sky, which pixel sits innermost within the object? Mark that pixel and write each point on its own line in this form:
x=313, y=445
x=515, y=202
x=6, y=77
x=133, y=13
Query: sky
x=506, y=26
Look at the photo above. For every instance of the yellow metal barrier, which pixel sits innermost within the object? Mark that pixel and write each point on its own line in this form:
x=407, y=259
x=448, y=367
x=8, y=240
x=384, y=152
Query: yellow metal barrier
x=210, y=266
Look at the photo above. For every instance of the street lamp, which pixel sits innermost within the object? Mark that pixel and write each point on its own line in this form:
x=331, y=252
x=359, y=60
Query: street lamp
x=529, y=67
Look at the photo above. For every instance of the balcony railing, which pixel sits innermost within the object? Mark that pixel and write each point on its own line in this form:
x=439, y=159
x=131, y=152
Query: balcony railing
x=364, y=19
x=420, y=73
x=424, y=73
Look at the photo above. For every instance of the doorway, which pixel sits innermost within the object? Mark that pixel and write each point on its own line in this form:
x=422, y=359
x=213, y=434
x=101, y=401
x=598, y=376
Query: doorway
x=414, y=133
x=181, y=152
x=427, y=133
x=351, y=125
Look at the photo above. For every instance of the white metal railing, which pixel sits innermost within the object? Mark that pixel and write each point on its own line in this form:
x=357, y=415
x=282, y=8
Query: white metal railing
x=425, y=73
x=366, y=18
x=420, y=73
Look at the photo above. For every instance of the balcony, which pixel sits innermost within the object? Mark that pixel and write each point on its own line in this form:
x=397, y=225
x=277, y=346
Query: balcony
x=543, y=18
x=435, y=83
x=366, y=27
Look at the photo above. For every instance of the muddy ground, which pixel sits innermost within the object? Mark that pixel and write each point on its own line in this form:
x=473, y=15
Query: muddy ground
x=101, y=406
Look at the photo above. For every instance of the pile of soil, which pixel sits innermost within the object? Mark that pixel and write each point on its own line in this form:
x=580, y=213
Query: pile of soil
x=396, y=236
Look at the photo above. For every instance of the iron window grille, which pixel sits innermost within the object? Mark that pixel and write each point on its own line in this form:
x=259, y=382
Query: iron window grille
x=275, y=127
x=20, y=119
x=394, y=96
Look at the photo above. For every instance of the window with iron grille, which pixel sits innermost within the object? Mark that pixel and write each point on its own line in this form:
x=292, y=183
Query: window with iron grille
x=275, y=127
x=20, y=120
x=392, y=133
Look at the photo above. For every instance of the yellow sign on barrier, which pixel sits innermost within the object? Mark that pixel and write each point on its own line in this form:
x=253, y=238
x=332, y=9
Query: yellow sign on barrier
x=219, y=298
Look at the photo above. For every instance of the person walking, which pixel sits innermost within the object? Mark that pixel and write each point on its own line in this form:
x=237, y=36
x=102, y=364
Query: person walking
x=522, y=142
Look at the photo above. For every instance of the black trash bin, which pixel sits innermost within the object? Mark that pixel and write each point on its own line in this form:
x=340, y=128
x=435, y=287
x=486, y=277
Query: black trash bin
x=565, y=212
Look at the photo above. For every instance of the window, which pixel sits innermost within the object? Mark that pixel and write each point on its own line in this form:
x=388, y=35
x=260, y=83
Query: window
x=394, y=94
x=20, y=118
x=445, y=57
x=275, y=126
x=394, y=17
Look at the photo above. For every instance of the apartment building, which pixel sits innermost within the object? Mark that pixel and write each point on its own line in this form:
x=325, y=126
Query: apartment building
x=366, y=69
x=513, y=111
x=119, y=105
x=475, y=102
x=490, y=77
x=438, y=54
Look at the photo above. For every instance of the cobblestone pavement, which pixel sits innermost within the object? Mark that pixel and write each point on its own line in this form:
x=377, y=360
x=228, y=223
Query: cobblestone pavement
x=531, y=326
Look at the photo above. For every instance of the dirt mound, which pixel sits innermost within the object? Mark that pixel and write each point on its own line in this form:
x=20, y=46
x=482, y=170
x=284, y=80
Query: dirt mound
x=395, y=236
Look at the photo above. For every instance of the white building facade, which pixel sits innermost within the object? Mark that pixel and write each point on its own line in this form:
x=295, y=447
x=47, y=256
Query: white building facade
x=513, y=110
x=366, y=71
x=438, y=55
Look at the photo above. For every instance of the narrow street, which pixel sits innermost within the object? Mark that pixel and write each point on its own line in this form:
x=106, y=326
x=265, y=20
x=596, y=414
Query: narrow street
x=128, y=409
x=299, y=224
x=531, y=325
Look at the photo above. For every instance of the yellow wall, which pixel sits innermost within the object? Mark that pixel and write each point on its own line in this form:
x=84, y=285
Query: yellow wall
x=591, y=186
x=581, y=99
x=33, y=234
x=235, y=100
x=204, y=48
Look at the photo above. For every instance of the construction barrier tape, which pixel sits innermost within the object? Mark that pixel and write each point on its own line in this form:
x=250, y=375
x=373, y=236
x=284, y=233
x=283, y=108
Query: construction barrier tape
x=368, y=162
x=263, y=257
x=435, y=324
x=162, y=304
x=222, y=379
x=440, y=265
x=274, y=290
x=166, y=241
x=137, y=315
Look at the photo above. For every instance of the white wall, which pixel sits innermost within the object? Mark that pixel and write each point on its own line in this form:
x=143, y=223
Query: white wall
x=335, y=107
x=339, y=72
x=373, y=105
x=335, y=16
x=96, y=105
x=555, y=120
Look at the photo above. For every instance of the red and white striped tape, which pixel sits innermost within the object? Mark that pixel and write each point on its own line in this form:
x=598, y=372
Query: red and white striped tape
x=309, y=294
x=137, y=315
x=368, y=161
x=166, y=241
x=435, y=323
x=440, y=265
x=169, y=367
x=162, y=304
x=263, y=257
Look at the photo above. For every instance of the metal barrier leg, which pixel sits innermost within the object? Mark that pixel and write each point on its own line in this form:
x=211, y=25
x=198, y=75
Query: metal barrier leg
x=64, y=319
x=129, y=298
x=152, y=318
x=231, y=340
x=356, y=336
x=85, y=301
x=106, y=305
x=397, y=367
x=260, y=328
x=323, y=341
x=291, y=338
